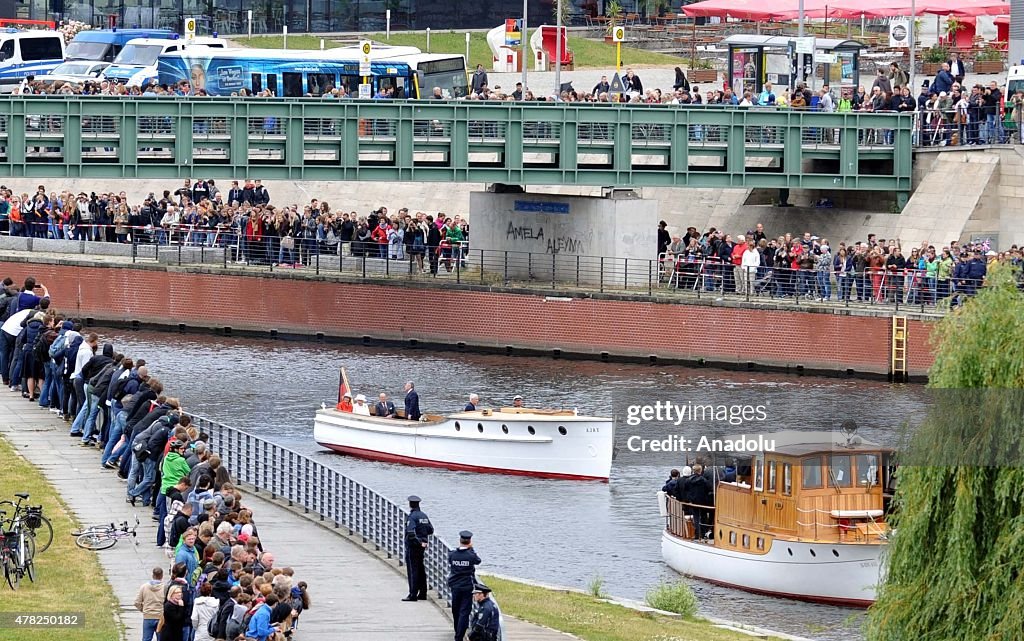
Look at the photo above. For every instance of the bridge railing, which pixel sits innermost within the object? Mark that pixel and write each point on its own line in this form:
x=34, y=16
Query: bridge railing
x=317, y=489
x=465, y=141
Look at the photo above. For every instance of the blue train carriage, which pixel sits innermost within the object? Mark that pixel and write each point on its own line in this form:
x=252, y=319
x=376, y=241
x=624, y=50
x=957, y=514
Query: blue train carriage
x=287, y=74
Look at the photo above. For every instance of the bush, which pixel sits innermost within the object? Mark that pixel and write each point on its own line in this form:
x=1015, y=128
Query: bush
x=596, y=587
x=673, y=597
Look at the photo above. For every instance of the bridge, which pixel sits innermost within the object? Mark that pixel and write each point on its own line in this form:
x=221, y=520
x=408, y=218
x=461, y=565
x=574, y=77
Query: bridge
x=511, y=143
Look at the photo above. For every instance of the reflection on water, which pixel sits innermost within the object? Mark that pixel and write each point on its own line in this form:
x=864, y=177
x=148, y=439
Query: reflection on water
x=559, y=532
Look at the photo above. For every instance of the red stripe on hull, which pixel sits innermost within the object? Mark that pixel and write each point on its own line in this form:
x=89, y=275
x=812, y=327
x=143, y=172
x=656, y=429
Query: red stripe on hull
x=460, y=467
x=849, y=603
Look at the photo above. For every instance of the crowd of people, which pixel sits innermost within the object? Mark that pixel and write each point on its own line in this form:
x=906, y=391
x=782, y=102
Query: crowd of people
x=221, y=583
x=242, y=219
x=873, y=270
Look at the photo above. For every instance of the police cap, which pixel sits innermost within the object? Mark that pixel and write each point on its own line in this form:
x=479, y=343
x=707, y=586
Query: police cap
x=414, y=499
x=465, y=534
x=481, y=588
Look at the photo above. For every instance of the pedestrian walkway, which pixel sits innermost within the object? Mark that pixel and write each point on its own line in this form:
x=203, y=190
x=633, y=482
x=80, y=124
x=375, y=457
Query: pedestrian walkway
x=355, y=595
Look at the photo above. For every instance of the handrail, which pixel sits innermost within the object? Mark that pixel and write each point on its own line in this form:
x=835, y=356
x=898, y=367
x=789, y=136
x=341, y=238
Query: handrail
x=296, y=478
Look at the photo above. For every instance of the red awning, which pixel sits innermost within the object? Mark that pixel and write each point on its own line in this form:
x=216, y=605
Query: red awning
x=780, y=10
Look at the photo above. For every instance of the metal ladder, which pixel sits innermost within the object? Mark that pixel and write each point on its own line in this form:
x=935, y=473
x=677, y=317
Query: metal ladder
x=898, y=365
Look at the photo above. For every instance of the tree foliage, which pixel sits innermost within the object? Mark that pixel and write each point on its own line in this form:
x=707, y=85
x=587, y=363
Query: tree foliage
x=955, y=564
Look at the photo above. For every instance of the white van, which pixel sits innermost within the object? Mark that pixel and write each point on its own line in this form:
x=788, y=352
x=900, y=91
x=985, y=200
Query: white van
x=28, y=53
x=135, y=66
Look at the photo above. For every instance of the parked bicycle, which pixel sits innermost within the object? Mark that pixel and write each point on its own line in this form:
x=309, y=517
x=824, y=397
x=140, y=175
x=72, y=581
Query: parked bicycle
x=31, y=518
x=102, y=537
x=17, y=551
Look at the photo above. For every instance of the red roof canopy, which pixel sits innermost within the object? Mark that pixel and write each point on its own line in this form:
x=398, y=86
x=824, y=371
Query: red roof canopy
x=780, y=10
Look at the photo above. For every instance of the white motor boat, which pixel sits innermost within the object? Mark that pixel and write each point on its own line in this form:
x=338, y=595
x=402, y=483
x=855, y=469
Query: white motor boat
x=555, y=444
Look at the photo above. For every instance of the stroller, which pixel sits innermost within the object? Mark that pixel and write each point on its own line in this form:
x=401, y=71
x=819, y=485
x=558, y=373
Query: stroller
x=765, y=283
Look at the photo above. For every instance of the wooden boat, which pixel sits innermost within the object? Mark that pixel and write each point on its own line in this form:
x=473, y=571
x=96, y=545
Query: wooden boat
x=558, y=444
x=802, y=520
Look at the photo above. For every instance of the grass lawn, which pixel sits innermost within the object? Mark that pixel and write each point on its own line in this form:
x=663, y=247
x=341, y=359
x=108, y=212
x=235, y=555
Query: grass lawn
x=588, y=53
x=594, y=620
x=68, y=578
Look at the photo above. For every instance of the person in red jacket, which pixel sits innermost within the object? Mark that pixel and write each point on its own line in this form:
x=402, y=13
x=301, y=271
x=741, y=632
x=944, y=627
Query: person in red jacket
x=380, y=234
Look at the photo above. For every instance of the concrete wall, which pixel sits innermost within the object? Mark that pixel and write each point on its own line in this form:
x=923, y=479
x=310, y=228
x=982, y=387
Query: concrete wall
x=565, y=236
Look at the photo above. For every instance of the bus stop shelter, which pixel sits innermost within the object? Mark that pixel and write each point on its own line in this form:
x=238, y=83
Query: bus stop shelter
x=785, y=61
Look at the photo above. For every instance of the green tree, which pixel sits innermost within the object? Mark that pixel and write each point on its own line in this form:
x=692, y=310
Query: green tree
x=955, y=564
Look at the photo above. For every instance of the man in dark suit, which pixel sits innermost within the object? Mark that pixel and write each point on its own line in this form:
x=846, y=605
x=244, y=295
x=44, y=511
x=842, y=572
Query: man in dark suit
x=384, y=408
x=412, y=402
x=956, y=68
x=474, y=400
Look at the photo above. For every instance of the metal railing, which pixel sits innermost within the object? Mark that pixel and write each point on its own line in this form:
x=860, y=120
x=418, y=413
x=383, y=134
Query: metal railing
x=518, y=143
x=336, y=499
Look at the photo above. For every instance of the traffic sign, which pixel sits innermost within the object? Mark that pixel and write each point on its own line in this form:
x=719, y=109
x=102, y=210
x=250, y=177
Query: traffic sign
x=190, y=28
x=805, y=45
x=618, y=34
x=616, y=87
x=365, y=47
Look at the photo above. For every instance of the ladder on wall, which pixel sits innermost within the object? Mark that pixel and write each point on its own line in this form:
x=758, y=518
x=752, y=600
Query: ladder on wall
x=898, y=364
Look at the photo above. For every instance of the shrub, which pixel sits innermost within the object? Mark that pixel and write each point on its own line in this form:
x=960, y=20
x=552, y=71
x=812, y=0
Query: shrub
x=673, y=597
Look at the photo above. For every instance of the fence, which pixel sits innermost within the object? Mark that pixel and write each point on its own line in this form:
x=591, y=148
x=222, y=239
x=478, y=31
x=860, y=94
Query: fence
x=321, y=490
x=681, y=278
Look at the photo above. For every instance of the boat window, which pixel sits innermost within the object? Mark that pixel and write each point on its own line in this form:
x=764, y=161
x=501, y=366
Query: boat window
x=759, y=474
x=810, y=472
x=839, y=471
x=867, y=470
x=480, y=427
x=529, y=428
x=457, y=426
x=561, y=430
x=787, y=479
x=746, y=540
x=760, y=543
x=732, y=538
x=504, y=429
x=771, y=476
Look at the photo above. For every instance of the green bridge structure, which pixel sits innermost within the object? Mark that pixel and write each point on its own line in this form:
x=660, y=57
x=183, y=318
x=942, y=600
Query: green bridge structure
x=511, y=143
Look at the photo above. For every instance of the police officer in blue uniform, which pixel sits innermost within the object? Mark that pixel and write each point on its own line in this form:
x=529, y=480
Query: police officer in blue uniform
x=461, y=579
x=487, y=620
x=417, y=529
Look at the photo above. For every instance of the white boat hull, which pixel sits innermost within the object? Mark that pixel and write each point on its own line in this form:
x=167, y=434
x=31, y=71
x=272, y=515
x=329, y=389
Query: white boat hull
x=470, y=441
x=849, y=579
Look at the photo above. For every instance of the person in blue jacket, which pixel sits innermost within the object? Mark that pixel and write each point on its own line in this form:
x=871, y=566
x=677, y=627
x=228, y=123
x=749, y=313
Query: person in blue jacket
x=259, y=625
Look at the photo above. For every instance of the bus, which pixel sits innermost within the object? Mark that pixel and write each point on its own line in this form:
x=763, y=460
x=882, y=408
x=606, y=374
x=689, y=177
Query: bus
x=294, y=73
x=135, y=66
x=287, y=73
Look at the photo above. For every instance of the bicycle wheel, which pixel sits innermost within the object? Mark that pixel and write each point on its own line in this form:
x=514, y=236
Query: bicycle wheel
x=11, y=571
x=92, y=529
x=43, y=535
x=95, y=541
x=28, y=563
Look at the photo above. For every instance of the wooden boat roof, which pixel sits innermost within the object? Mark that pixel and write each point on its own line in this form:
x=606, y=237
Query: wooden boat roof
x=800, y=443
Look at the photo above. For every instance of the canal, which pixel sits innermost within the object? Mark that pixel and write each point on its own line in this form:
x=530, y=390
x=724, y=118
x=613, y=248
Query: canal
x=558, y=532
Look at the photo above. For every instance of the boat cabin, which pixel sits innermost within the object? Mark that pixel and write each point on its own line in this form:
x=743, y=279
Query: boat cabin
x=807, y=488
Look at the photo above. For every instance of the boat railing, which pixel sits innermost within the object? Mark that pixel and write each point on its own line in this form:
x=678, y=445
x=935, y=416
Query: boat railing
x=686, y=520
x=838, y=528
x=334, y=498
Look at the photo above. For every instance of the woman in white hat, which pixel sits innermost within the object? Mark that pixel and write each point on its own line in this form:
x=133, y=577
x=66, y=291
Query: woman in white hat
x=361, y=407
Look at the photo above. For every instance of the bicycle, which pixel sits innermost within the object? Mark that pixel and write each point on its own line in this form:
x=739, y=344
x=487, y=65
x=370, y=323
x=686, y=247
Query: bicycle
x=17, y=553
x=102, y=537
x=31, y=516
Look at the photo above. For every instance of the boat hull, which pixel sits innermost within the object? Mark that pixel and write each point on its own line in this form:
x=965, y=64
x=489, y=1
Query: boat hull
x=849, y=579
x=472, y=442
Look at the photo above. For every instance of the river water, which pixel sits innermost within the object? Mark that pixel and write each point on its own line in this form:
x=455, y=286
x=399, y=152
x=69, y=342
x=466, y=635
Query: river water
x=557, y=532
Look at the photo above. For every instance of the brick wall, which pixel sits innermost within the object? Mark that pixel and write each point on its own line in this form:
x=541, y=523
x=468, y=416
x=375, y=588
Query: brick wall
x=635, y=328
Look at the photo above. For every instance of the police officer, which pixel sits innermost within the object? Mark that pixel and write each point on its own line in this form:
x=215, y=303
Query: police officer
x=487, y=620
x=417, y=529
x=461, y=579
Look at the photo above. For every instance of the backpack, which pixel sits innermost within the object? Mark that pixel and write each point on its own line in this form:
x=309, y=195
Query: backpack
x=5, y=303
x=11, y=307
x=71, y=350
x=217, y=628
x=232, y=633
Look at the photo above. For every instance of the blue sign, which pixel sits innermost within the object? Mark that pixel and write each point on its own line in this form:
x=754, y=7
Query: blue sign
x=541, y=207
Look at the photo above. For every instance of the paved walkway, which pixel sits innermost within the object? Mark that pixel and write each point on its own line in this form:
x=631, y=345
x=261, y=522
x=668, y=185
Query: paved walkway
x=354, y=594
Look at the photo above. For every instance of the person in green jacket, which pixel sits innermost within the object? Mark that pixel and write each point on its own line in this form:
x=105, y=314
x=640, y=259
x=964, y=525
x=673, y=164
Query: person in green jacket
x=944, y=272
x=174, y=467
x=454, y=235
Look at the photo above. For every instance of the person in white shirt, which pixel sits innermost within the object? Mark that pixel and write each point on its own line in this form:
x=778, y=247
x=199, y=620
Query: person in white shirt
x=749, y=263
x=360, y=406
x=8, y=335
x=85, y=351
